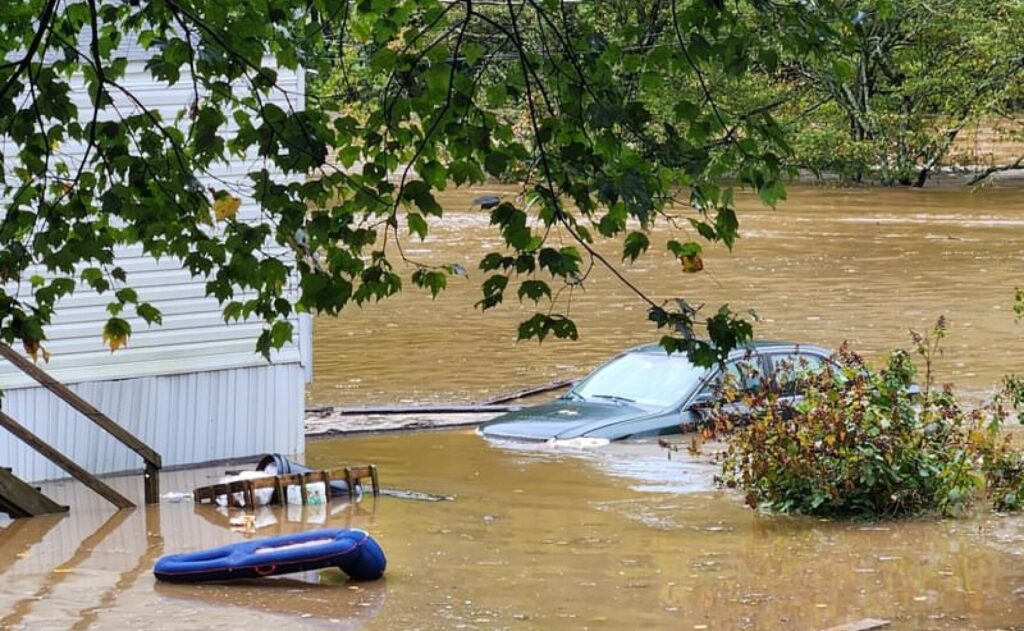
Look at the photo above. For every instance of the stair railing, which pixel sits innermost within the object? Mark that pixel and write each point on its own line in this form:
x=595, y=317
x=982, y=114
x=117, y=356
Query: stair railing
x=151, y=459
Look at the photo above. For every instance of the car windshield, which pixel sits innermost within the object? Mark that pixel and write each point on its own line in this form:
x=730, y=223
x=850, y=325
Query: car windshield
x=646, y=378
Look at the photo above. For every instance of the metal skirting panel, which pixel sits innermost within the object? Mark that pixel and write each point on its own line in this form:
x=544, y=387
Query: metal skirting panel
x=188, y=418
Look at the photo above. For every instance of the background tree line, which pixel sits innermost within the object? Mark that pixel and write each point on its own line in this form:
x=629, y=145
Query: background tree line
x=874, y=91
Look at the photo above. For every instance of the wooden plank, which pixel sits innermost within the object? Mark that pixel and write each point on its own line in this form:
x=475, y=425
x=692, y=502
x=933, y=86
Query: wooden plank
x=867, y=624
x=350, y=482
x=151, y=483
x=354, y=474
x=82, y=406
x=279, y=492
x=281, y=482
x=259, y=484
x=375, y=479
x=20, y=499
x=525, y=392
x=64, y=462
x=220, y=489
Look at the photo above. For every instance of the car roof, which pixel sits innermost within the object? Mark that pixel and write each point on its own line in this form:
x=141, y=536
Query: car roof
x=759, y=346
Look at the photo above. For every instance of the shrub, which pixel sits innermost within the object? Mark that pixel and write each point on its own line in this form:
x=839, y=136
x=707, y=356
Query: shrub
x=866, y=443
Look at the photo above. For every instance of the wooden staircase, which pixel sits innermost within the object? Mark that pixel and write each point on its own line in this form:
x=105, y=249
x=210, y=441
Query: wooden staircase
x=20, y=499
x=25, y=500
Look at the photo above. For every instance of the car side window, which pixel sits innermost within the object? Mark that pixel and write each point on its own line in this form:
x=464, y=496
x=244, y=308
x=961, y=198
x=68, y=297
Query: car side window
x=743, y=374
x=790, y=370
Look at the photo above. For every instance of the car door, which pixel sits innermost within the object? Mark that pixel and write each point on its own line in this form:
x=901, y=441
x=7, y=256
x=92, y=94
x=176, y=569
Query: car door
x=789, y=371
x=742, y=375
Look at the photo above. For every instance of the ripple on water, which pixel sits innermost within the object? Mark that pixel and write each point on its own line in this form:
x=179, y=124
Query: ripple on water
x=571, y=543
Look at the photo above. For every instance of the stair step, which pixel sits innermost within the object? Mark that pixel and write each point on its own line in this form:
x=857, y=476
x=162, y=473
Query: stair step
x=20, y=499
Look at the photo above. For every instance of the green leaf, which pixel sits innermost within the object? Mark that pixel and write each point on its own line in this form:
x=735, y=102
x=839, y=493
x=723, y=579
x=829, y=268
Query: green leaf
x=149, y=313
x=417, y=225
x=688, y=249
x=636, y=243
x=494, y=292
x=126, y=295
x=727, y=226
x=534, y=290
x=540, y=325
x=495, y=163
x=494, y=261
x=430, y=279
x=772, y=192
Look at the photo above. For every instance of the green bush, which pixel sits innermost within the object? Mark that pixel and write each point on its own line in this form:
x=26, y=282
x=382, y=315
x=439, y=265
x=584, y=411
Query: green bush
x=866, y=443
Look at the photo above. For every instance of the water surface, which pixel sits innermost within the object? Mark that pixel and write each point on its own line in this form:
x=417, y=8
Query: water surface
x=614, y=538
x=829, y=265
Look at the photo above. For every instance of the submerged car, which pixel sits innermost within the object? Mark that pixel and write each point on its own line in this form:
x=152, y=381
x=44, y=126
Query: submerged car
x=645, y=392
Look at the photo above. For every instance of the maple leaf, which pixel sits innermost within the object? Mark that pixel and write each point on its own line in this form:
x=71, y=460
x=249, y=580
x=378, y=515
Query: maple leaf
x=116, y=333
x=691, y=264
x=35, y=349
x=226, y=206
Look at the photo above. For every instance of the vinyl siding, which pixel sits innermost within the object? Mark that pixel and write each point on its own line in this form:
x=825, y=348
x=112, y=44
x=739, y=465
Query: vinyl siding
x=193, y=388
x=193, y=334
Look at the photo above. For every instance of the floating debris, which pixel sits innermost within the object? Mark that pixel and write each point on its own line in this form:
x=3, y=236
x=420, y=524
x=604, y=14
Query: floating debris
x=867, y=624
x=416, y=495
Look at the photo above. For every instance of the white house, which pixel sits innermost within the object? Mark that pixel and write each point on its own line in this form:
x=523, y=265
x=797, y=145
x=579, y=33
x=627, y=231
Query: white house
x=194, y=389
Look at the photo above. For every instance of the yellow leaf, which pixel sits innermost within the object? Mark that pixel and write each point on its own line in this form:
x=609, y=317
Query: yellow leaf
x=691, y=264
x=226, y=207
x=114, y=341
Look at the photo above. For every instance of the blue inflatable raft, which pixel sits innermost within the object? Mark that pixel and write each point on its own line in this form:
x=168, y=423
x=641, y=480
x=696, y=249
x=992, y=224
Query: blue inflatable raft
x=354, y=551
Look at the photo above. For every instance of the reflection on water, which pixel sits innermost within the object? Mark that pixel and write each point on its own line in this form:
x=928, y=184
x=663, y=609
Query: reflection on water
x=92, y=568
x=613, y=538
x=829, y=265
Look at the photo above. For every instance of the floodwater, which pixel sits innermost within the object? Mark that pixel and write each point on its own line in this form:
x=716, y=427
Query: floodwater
x=618, y=537
x=609, y=539
x=829, y=265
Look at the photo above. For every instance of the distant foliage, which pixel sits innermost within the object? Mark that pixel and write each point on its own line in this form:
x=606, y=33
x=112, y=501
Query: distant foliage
x=899, y=83
x=866, y=443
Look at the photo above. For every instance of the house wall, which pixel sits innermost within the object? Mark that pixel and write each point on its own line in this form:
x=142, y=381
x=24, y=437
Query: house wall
x=192, y=388
x=188, y=418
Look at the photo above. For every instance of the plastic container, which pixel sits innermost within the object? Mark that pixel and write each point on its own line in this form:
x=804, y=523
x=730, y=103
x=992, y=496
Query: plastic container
x=316, y=493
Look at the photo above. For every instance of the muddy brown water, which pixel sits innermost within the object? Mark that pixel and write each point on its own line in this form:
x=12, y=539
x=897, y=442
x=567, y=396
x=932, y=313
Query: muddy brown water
x=829, y=265
x=610, y=539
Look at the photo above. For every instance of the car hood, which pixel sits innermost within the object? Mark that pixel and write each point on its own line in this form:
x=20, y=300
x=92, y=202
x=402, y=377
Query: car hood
x=562, y=418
